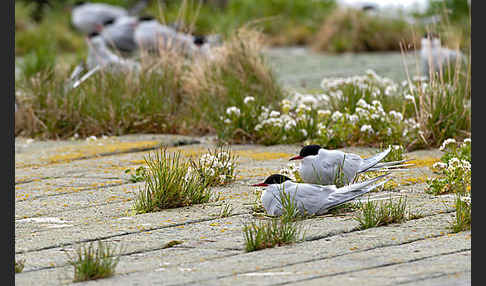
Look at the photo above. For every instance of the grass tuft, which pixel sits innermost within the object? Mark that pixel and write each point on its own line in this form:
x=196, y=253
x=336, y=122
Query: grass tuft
x=463, y=214
x=169, y=184
x=374, y=214
x=92, y=263
x=270, y=233
x=19, y=265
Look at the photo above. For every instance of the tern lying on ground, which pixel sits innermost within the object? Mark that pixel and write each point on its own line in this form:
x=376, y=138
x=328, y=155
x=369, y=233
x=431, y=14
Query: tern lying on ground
x=309, y=198
x=324, y=167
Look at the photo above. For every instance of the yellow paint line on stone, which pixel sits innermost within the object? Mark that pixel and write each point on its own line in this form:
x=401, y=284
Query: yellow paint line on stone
x=424, y=162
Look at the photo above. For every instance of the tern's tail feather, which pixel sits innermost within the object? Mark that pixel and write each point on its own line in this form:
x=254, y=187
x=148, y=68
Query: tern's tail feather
x=355, y=191
x=372, y=161
x=138, y=7
x=360, y=186
x=386, y=165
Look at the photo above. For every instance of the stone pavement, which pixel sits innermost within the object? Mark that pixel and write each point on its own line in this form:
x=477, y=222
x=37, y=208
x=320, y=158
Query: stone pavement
x=70, y=193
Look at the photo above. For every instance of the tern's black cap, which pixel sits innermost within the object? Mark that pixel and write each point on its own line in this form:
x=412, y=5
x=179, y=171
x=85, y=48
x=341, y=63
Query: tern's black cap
x=146, y=18
x=79, y=3
x=276, y=179
x=199, y=40
x=94, y=34
x=309, y=150
x=109, y=21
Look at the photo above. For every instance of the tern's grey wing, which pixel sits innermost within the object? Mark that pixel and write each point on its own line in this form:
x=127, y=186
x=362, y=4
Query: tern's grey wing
x=272, y=205
x=352, y=191
x=120, y=35
x=308, y=198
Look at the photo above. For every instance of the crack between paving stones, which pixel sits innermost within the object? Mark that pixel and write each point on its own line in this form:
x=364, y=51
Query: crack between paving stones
x=123, y=234
x=372, y=267
x=430, y=277
x=23, y=182
x=106, y=154
x=77, y=191
x=312, y=238
x=323, y=258
x=133, y=253
x=225, y=249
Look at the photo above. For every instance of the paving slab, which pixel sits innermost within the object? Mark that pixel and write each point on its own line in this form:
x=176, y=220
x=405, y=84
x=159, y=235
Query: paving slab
x=73, y=192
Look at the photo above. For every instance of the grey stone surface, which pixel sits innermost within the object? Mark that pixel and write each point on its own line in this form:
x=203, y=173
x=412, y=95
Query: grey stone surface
x=69, y=193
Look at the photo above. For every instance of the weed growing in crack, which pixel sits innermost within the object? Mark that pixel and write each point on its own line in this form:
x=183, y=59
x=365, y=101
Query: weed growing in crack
x=255, y=203
x=270, y=233
x=19, y=265
x=463, y=214
x=138, y=176
x=374, y=214
x=92, y=263
x=226, y=210
x=168, y=185
x=396, y=153
x=455, y=169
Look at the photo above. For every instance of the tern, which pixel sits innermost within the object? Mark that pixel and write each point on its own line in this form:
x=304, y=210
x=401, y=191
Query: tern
x=324, y=167
x=310, y=198
x=89, y=17
x=152, y=36
x=100, y=58
x=119, y=33
x=100, y=55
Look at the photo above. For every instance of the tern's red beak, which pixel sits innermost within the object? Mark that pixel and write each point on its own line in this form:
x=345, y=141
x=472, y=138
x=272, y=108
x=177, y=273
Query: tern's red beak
x=260, y=185
x=98, y=28
x=296, y=158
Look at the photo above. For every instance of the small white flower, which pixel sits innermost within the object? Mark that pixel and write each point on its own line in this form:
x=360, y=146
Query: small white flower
x=274, y=114
x=396, y=115
x=227, y=121
x=248, y=99
x=409, y=97
x=466, y=199
x=91, y=138
x=367, y=128
x=353, y=118
x=467, y=140
x=323, y=113
x=439, y=165
x=304, y=132
x=336, y=116
x=233, y=110
x=362, y=103
x=446, y=143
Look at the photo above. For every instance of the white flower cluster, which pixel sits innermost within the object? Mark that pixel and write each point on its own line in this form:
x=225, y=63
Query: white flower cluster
x=274, y=119
x=371, y=82
x=220, y=167
x=455, y=163
x=446, y=143
x=248, y=99
x=466, y=199
x=233, y=110
x=291, y=170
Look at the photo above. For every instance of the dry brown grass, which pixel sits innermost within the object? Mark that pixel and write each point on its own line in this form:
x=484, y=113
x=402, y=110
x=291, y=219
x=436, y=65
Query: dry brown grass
x=171, y=94
x=350, y=30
